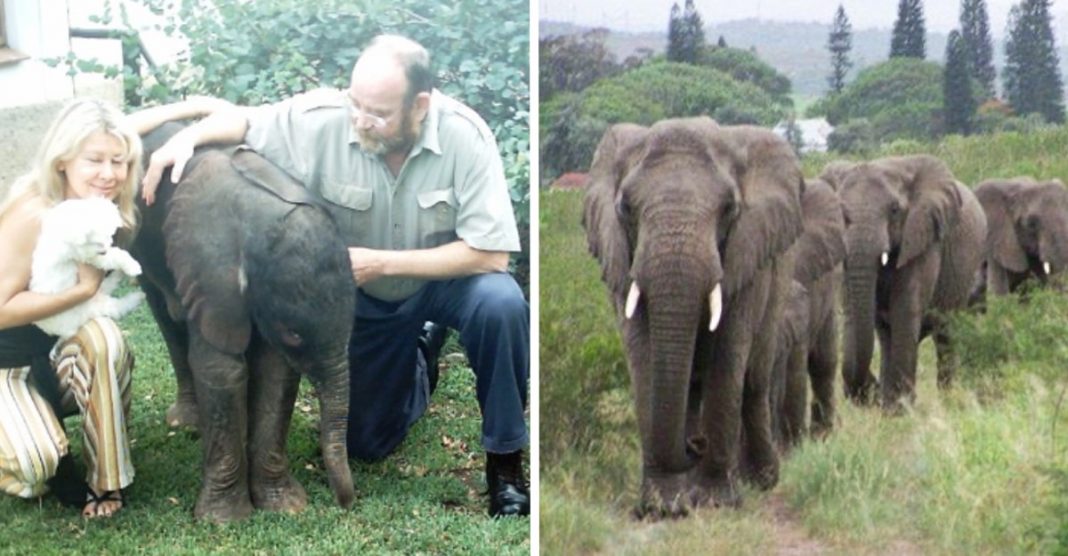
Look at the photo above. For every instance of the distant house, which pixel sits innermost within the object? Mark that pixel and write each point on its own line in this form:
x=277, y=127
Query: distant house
x=814, y=133
x=571, y=180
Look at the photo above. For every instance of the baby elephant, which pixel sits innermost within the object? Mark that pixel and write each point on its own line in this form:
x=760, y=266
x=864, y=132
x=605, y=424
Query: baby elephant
x=1027, y=235
x=249, y=282
x=81, y=231
x=807, y=343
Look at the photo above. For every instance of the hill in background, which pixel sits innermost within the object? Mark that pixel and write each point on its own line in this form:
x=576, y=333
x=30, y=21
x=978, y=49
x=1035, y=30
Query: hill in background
x=797, y=49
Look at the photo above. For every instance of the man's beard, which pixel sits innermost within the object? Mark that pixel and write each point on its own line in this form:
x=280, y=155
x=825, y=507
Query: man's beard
x=372, y=142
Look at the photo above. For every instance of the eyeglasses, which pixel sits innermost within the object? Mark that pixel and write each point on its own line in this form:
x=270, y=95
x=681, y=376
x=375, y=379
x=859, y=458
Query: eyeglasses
x=374, y=119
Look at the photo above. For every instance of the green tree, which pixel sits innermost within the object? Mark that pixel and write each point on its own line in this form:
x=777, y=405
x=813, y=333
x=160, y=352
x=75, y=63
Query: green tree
x=573, y=62
x=975, y=30
x=958, y=96
x=1032, y=77
x=840, y=42
x=901, y=98
x=744, y=65
x=686, y=34
x=910, y=34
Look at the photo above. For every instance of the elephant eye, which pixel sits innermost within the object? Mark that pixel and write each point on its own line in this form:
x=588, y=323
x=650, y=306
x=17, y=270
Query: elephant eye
x=291, y=339
x=622, y=209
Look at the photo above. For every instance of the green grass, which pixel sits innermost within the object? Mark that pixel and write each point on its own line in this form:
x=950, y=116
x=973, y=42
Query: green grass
x=424, y=499
x=981, y=469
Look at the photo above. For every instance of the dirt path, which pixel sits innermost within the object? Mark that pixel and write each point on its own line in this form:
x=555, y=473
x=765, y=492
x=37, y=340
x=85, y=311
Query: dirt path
x=790, y=536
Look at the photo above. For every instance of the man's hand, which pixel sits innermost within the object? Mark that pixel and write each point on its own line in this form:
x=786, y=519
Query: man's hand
x=367, y=265
x=177, y=151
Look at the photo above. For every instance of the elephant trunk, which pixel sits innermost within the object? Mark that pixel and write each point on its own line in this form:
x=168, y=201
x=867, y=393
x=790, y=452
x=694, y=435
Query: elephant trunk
x=332, y=386
x=861, y=274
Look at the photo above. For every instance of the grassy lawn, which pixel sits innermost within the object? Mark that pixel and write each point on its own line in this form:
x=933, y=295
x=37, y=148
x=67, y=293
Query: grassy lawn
x=424, y=499
x=980, y=469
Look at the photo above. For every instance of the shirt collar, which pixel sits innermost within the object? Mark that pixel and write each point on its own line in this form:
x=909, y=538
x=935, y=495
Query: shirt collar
x=428, y=137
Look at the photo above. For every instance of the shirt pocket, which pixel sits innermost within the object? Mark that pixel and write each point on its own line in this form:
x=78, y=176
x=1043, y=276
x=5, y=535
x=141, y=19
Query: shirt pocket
x=437, y=216
x=352, y=207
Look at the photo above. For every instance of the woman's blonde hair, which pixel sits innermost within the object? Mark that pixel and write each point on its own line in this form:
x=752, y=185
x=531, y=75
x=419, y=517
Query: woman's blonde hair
x=64, y=139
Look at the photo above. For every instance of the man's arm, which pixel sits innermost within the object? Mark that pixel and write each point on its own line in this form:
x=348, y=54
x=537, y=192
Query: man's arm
x=224, y=126
x=451, y=260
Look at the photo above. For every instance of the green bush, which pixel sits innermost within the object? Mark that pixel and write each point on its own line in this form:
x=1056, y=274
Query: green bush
x=644, y=95
x=745, y=66
x=853, y=137
x=901, y=97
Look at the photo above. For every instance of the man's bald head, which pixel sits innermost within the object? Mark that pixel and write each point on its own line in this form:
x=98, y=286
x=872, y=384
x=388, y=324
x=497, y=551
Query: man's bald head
x=400, y=52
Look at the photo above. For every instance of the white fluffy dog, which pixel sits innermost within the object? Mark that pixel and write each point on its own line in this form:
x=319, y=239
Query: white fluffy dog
x=80, y=231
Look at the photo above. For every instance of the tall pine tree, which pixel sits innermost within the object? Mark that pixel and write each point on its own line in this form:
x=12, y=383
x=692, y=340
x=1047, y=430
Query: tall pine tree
x=910, y=33
x=1032, y=77
x=840, y=42
x=975, y=30
x=675, y=34
x=958, y=98
x=686, y=34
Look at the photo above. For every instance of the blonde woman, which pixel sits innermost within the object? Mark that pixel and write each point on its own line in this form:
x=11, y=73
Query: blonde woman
x=90, y=150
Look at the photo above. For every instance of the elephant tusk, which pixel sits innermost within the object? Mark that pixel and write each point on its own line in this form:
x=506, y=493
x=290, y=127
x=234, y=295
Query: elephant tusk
x=715, y=305
x=885, y=258
x=632, y=300
x=1046, y=268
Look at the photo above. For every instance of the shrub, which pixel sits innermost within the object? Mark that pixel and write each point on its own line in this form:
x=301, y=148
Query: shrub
x=745, y=66
x=901, y=97
x=853, y=137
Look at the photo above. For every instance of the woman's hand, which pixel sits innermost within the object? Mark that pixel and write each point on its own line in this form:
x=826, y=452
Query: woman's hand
x=89, y=279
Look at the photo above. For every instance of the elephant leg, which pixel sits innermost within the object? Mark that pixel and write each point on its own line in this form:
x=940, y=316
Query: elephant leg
x=221, y=388
x=910, y=296
x=997, y=278
x=721, y=421
x=795, y=398
x=273, y=389
x=822, y=362
x=777, y=396
x=183, y=412
x=761, y=459
x=947, y=357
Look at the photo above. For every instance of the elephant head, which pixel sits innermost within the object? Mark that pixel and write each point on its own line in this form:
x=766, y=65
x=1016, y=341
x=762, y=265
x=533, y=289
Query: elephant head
x=895, y=210
x=681, y=216
x=1027, y=224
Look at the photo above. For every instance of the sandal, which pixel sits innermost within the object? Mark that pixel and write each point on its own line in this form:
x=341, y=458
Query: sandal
x=94, y=500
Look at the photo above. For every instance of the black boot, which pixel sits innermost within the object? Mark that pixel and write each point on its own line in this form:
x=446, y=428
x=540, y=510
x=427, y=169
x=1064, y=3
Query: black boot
x=430, y=342
x=509, y=491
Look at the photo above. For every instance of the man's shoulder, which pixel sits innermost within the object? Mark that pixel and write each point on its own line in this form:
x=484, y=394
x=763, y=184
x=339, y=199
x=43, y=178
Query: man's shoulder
x=457, y=117
x=319, y=99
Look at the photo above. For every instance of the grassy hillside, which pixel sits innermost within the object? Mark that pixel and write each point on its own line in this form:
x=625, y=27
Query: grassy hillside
x=980, y=469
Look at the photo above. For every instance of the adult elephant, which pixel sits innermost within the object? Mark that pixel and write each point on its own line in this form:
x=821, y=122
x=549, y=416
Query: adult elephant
x=807, y=351
x=1027, y=236
x=914, y=240
x=248, y=280
x=690, y=222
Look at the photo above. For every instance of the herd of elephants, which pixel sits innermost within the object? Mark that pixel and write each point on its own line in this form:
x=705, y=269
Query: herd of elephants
x=724, y=264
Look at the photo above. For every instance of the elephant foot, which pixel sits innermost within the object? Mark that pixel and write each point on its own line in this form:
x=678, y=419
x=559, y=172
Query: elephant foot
x=863, y=393
x=669, y=496
x=717, y=492
x=182, y=414
x=222, y=508
x=285, y=495
x=762, y=473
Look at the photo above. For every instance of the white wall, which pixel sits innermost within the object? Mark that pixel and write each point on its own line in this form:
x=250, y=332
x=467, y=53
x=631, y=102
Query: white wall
x=37, y=28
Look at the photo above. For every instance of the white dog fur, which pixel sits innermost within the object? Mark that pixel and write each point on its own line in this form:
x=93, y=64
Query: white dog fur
x=81, y=231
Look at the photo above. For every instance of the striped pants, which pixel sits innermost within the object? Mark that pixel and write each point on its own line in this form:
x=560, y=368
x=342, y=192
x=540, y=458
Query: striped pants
x=94, y=368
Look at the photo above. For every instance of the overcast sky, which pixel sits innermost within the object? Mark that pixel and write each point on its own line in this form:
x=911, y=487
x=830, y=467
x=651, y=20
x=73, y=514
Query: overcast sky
x=652, y=15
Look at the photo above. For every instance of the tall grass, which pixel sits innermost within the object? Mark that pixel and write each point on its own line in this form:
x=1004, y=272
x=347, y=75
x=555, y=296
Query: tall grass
x=980, y=469
x=424, y=499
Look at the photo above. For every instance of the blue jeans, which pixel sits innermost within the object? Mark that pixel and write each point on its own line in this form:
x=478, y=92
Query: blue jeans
x=389, y=390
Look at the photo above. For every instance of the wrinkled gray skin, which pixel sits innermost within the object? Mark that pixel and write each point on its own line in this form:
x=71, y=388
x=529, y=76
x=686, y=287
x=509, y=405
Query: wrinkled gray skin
x=1027, y=232
x=931, y=230
x=248, y=288
x=680, y=208
x=807, y=350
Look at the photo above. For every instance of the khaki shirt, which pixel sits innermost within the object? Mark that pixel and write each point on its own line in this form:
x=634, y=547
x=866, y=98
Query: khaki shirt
x=451, y=186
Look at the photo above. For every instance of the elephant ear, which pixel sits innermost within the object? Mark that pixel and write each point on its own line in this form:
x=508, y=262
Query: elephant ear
x=606, y=236
x=770, y=184
x=834, y=173
x=934, y=204
x=269, y=177
x=1002, y=244
x=201, y=234
x=822, y=244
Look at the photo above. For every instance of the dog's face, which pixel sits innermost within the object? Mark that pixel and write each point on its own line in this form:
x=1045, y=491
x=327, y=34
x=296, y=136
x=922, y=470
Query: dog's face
x=87, y=225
